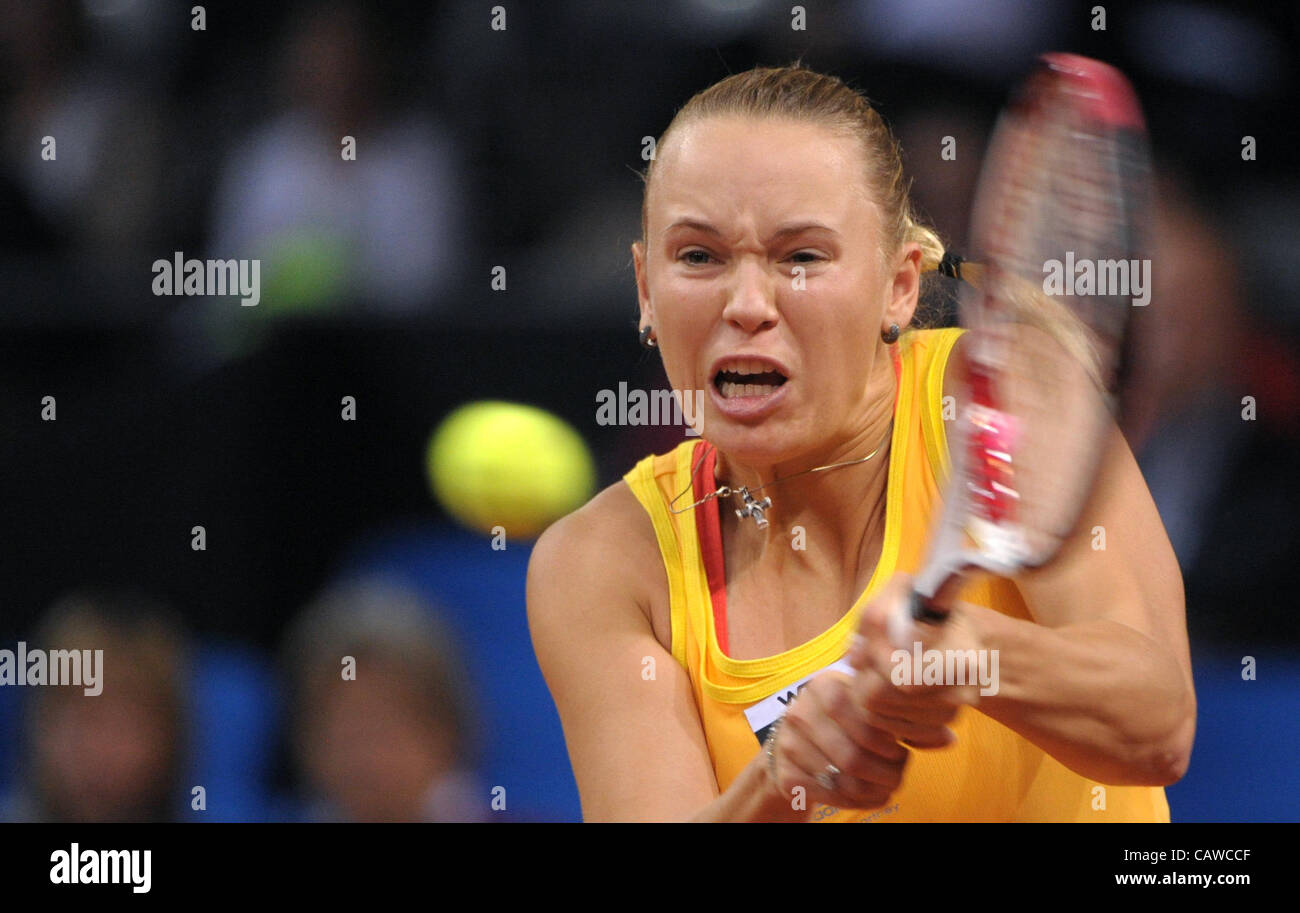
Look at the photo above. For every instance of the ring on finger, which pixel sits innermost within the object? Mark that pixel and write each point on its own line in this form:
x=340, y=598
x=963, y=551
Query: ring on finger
x=829, y=778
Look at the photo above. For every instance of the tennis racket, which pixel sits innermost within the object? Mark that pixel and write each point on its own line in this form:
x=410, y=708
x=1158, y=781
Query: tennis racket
x=1062, y=186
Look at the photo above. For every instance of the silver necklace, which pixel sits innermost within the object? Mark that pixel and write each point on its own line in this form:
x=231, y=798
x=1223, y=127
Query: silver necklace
x=753, y=508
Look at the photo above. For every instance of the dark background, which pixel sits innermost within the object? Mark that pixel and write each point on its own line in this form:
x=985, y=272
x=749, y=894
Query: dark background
x=174, y=411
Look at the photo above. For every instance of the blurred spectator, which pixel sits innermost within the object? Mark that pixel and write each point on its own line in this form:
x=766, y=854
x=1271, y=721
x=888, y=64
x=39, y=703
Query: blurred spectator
x=100, y=196
x=381, y=712
x=385, y=229
x=1225, y=483
x=1190, y=348
x=943, y=188
x=115, y=756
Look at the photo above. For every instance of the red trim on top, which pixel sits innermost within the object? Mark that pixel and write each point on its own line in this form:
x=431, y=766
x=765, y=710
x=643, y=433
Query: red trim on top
x=708, y=529
x=708, y=523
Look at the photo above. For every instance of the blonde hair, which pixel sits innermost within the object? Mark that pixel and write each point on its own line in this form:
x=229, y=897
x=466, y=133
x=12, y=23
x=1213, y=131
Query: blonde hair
x=796, y=93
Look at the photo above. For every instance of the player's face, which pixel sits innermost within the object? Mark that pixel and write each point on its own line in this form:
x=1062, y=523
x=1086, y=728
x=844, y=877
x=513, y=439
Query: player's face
x=763, y=279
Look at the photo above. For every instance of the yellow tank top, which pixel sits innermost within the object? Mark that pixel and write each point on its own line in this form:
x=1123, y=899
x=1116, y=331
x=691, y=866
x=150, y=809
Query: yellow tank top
x=990, y=773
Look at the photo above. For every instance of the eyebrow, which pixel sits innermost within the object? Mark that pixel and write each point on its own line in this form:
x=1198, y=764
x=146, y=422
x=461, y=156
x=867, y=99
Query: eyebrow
x=783, y=231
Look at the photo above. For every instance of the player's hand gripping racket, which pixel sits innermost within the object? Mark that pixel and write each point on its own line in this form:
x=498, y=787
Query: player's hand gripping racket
x=1061, y=195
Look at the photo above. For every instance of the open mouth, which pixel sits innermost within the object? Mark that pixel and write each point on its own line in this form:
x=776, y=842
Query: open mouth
x=743, y=378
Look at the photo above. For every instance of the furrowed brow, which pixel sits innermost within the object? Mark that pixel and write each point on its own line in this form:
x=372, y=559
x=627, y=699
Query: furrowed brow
x=695, y=224
x=783, y=231
x=798, y=228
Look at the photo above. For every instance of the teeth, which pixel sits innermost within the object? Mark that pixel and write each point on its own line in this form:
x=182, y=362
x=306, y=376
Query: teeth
x=731, y=390
x=746, y=366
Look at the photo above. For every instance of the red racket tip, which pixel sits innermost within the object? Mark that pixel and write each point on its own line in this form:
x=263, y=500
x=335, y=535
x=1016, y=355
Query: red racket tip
x=1114, y=103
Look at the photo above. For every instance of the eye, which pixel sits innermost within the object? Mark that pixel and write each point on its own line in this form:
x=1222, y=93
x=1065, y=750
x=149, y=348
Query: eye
x=696, y=257
x=806, y=256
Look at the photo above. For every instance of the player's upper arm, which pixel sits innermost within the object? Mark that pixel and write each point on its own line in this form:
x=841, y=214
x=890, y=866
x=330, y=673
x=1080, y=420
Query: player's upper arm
x=630, y=721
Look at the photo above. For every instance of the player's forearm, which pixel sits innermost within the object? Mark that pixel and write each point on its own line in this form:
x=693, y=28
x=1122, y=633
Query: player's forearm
x=1100, y=697
x=752, y=797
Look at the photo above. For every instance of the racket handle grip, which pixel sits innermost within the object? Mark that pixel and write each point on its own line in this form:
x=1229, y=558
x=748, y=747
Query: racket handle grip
x=922, y=608
x=899, y=626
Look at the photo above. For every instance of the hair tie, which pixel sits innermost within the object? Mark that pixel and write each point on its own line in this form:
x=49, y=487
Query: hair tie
x=950, y=265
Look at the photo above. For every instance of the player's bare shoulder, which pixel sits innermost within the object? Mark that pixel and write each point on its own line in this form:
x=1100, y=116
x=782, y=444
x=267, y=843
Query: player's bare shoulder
x=601, y=557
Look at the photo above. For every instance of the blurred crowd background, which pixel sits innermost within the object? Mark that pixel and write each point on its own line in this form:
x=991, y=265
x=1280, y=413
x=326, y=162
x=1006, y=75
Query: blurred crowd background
x=518, y=148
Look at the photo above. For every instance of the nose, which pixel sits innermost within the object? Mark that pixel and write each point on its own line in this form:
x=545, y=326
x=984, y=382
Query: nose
x=751, y=301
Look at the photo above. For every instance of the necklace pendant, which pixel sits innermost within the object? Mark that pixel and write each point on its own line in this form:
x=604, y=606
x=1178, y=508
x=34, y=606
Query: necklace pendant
x=754, y=508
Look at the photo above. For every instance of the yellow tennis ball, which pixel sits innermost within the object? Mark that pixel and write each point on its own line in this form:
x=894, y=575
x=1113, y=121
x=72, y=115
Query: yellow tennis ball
x=497, y=464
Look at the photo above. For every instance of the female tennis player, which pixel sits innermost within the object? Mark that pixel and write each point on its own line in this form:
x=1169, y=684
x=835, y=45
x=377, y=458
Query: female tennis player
x=696, y=621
